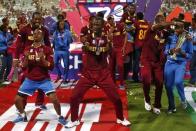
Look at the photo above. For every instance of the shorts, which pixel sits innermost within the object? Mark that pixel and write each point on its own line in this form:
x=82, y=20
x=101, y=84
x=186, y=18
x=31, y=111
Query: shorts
x=28, y=87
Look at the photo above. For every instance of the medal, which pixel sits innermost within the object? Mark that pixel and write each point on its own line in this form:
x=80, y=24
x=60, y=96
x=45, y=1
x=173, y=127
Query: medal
x=36, y=56
x=98, y=52
x=31, y=50
x=98, y=42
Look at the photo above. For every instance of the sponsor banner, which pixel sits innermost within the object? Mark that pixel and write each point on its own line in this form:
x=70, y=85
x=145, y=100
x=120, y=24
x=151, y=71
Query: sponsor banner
x=75, y=62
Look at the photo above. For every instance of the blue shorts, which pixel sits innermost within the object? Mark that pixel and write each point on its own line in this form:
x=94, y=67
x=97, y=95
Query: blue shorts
x=28, y=87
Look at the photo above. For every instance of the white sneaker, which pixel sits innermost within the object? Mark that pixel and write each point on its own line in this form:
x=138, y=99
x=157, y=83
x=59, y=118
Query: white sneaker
x=71, y=124
x=184, y=104
x=7, y=82
x=125, y=122
x=122, y=87
x=156, y=111
x=147, y=106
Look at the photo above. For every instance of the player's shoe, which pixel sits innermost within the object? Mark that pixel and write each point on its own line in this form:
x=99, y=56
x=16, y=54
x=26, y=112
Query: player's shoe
x=122, y=87
x=6, y=82
x=184, y=104
x=71, y=124
x=42, y=107
x=156, y=111
x=147, y=106
x=124, y=122
x=61, y=120
x=170, y=111
x=20, y=118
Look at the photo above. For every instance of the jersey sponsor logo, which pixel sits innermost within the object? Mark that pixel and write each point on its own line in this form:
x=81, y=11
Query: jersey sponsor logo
x=30, y=38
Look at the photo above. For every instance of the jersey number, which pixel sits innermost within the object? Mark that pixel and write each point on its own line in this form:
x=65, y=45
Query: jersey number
x=31, y=57
x=142, y=34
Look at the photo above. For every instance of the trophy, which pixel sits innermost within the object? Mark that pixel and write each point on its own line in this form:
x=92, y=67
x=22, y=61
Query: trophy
x=179, y=44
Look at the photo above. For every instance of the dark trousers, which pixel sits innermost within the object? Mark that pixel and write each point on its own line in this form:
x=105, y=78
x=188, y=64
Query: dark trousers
x=193, y=68
x=151, y=72
x=103, y=79
x=136, y=62
x=6, y=66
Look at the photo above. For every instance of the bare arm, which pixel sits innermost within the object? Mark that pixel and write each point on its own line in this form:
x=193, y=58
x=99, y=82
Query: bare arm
x=24, y=63
x=124, y=45
x=161, y=26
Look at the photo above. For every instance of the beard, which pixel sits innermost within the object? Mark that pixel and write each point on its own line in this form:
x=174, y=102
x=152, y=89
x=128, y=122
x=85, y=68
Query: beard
x=98, y=32
x=36, y=26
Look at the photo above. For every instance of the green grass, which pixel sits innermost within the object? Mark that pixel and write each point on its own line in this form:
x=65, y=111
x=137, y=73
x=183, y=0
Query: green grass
x=183, y=120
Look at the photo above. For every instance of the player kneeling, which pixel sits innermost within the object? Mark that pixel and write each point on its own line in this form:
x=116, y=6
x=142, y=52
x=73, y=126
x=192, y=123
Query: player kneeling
x=38, y=60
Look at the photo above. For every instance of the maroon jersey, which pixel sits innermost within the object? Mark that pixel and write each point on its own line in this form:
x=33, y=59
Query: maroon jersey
x=96, y=61
x=85, y=30
x=126, y=18
x=152, y=51
x=141, y=28
x=35, y=69
x=25, y=39
x=118, y=34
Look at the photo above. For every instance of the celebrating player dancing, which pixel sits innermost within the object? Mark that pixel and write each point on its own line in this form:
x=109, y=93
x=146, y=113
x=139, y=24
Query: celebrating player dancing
x=178, y=50
x=96, y=72
x=152, y=61
x=38, y=60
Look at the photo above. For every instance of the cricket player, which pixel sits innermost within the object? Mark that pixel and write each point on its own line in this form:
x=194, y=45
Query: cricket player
x=178, y=50
x=152, y=62
x=62, y=38
x=38, y=60
x=25, y=39
x=96, y=72
x=118, y=49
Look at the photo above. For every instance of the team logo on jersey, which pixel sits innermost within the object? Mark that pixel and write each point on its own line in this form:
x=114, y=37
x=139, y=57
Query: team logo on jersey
x=30, y=38
x=93, y=42
x=31, y=50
